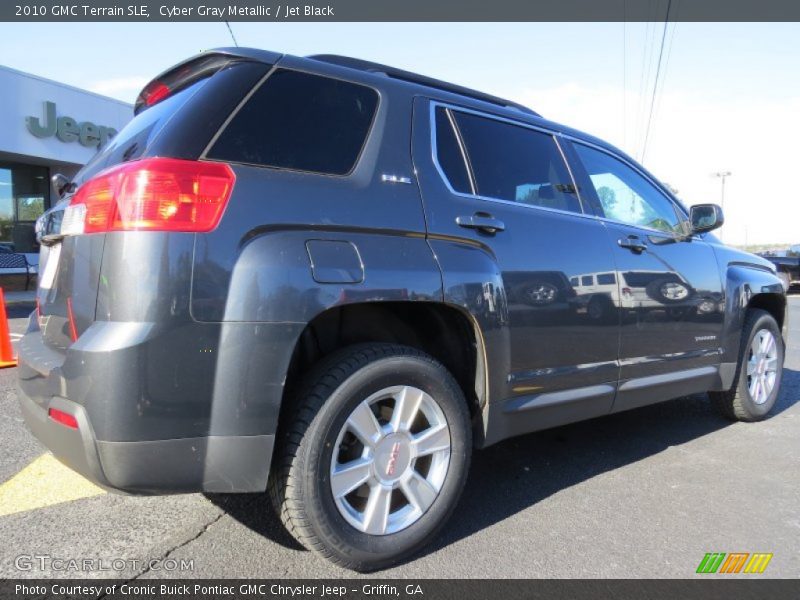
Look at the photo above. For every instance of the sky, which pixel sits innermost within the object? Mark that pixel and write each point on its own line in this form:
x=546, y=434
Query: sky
x=728, y=94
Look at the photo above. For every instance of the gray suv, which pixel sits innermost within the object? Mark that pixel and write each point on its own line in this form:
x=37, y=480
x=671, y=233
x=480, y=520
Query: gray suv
x=331, y=279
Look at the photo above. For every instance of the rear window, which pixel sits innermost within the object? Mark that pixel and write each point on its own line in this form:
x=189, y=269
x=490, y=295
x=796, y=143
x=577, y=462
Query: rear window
x=641, y=279
x=136, y=136
x=300, y=122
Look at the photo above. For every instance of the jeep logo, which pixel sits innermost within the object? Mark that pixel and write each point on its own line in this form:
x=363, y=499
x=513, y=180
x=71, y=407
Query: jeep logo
x=68, y=129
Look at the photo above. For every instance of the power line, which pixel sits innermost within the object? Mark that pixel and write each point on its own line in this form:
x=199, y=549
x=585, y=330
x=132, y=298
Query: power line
x=648, y=56
x=624, y=76
x=233, y=37
x=655, y=83
x=643, y=79
x=665, y=70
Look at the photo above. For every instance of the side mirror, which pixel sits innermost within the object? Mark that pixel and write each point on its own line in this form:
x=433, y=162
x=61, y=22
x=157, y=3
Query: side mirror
x=705, y=217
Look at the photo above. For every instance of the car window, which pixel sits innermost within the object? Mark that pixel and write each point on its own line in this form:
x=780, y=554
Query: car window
x=449, y=155
x=625, y=195
x=515, y=163
x=606, y=279
x=641, y=278
x=587, y=280
x=302, y=122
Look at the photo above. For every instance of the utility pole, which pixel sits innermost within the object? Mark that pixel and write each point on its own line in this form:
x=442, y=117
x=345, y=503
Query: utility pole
x=722, y=175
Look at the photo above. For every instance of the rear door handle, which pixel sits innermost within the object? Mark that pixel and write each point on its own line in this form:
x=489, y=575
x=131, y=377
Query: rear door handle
x=633, y=243
x=481, y=222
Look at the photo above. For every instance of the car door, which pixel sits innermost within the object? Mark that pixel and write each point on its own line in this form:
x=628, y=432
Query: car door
x=507, y=226
x=670, y=291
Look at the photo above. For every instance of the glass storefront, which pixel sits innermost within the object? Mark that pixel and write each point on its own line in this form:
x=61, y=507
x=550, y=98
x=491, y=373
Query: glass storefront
x=24, y=196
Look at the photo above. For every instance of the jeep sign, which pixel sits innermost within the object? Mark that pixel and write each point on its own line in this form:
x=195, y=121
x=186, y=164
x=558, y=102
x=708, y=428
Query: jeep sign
x=68, y=129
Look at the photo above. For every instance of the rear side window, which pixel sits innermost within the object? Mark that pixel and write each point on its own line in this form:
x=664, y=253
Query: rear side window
x=515, y=163
x=606, y=279
x=301, y=122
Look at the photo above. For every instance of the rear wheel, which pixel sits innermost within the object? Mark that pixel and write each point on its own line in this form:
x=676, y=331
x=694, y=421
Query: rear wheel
x=758, y=373
x=375, y=458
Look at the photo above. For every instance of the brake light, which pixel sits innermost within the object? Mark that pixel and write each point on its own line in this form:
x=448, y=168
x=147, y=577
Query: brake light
x=59, y=416
x=152, y=194
x=155, y=93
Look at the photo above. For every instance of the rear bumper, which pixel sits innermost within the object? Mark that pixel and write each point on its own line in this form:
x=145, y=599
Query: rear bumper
x=223, y=464
x=76, y=383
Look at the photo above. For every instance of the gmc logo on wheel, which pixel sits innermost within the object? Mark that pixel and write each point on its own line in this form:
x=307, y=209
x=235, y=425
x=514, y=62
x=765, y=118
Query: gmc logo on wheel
x=390, y=466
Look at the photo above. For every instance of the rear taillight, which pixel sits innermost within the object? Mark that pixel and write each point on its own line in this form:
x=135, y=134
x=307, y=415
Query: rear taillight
x=152, y=194
x=66, y=419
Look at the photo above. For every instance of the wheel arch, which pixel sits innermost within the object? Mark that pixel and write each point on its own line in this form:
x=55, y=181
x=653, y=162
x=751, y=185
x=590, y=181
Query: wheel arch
x=446, y=332
x=749, y=287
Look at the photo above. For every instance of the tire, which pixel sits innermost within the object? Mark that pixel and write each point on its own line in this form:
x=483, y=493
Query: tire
x=738, y=403
x=600, y=309
x=319, y=432
x=654, y=291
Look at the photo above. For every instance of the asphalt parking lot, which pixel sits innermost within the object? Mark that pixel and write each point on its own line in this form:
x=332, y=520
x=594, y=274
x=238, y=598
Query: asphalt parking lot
x=639, y=494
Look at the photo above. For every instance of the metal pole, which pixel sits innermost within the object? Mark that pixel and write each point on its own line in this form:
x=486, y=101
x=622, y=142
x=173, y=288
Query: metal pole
x=722, y=175
x=722, y=200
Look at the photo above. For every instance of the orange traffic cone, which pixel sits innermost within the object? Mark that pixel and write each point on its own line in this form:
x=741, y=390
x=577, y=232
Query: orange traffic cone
x=7, y=357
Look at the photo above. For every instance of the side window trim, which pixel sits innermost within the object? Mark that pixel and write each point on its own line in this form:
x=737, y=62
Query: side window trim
x=473, y=186
x=554, y=135
x=679, y=214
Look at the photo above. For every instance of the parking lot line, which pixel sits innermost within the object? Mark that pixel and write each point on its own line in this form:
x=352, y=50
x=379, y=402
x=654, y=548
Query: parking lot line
x=44, y=482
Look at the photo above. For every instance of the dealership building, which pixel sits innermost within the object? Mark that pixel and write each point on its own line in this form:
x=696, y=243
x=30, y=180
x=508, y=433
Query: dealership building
x=46, y=128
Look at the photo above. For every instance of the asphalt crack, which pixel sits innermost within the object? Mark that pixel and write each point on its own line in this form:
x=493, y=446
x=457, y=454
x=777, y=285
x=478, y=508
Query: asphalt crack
x=169, y=552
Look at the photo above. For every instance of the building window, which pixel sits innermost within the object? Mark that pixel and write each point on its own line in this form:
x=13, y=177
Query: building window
x=24, y=196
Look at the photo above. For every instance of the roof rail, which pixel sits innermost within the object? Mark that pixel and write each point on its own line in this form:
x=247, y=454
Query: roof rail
x=365, y=65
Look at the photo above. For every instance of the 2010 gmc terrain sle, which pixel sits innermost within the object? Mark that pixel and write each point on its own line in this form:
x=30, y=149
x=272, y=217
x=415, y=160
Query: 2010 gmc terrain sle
x=331, y=279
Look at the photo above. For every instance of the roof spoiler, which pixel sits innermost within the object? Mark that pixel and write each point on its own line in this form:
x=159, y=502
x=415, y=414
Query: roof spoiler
x=194, y=69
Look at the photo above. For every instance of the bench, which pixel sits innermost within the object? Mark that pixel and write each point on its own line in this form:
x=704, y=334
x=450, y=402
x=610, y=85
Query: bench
x=13, y=263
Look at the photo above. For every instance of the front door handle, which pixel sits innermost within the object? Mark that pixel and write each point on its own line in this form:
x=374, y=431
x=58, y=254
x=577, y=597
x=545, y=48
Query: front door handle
x=482, y=222
x=633, y=243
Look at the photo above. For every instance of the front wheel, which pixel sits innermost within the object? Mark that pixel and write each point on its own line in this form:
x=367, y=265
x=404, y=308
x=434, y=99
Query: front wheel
x=375, y=457
x=758, y=373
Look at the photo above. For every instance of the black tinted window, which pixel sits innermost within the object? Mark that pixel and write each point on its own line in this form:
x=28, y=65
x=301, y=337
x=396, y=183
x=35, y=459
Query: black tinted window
x=302, y=122
x=606, y=279
x=449, y=154
x=516, y=163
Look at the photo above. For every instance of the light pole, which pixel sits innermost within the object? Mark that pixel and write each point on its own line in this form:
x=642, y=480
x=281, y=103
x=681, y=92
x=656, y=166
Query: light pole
x=722, y=175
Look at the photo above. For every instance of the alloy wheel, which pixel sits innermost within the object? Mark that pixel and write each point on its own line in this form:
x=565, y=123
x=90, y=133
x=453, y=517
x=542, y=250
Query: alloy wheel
x=762, y=366
x=390, y=460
